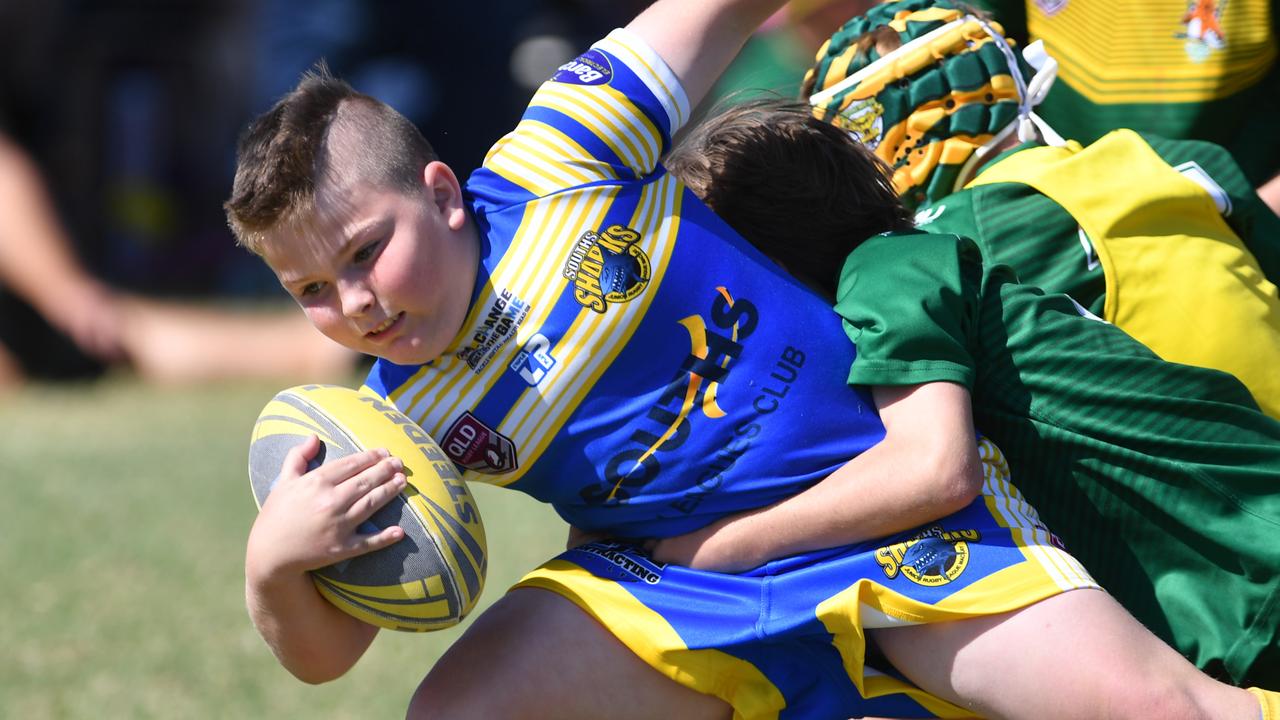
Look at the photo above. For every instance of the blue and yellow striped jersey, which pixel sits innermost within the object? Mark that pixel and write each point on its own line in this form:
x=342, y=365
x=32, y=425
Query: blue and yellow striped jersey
x=628, y=358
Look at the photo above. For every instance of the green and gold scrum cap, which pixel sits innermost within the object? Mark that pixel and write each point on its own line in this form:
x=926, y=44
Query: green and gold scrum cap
x=931, y=108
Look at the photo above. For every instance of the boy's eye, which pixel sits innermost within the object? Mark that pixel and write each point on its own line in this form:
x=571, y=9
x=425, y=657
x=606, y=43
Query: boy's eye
x=366, y=252
x=310, y=289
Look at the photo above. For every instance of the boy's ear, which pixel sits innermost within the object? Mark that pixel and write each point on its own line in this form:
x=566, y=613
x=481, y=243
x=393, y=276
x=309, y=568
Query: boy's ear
x=445, y=193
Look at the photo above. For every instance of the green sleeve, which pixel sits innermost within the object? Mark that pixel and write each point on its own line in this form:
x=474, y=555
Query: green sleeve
x=1256, y=224
x=909, y=304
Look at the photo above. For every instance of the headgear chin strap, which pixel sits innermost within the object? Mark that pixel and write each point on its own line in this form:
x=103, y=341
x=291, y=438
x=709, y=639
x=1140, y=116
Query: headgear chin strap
x=935, y=106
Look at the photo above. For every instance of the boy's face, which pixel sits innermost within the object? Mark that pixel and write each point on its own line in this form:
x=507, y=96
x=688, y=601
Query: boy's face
x=381, y=272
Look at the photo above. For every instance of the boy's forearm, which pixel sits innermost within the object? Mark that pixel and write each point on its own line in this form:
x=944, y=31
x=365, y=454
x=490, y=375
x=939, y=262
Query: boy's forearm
x=698, y=40
x=884, y=491
x=311, y=638
x=925, y=468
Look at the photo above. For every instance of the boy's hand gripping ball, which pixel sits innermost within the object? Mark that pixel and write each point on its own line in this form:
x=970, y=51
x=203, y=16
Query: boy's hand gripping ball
x=432, y=578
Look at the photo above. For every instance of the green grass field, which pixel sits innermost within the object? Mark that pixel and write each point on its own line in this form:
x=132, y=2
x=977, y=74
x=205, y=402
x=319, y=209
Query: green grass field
x=122, y=541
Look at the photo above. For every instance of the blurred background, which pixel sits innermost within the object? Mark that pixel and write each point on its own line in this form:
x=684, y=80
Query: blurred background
x=126, y=113
x=138, y=343
x=132, y=107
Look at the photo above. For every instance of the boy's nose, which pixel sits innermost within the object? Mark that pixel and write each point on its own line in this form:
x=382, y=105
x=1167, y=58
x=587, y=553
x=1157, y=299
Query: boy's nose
x=356, y=298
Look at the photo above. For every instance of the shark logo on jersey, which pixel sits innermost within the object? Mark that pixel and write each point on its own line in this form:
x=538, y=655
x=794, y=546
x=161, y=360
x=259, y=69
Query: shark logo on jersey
x=589, y=68
x=476, y=446
x=931, y=558
x=607, y=267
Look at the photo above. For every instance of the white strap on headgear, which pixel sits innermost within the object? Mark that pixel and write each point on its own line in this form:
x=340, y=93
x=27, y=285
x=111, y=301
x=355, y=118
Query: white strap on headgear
x=1046, y=68
x=1030, y=94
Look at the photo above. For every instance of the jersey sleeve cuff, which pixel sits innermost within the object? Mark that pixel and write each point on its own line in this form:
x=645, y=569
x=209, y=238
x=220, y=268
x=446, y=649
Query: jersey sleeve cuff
x=652, y=70
x=871, y=372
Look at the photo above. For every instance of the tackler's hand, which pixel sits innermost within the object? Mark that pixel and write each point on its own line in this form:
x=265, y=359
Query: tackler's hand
x=311, y=518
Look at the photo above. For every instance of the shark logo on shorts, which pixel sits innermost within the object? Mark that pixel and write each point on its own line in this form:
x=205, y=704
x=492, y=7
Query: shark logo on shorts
x=931, y=558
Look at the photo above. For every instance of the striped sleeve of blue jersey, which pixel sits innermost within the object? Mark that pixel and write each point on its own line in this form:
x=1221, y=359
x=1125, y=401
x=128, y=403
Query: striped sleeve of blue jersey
x=607, y=115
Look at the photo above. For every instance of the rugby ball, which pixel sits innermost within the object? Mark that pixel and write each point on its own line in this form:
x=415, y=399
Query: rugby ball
x=432, y=578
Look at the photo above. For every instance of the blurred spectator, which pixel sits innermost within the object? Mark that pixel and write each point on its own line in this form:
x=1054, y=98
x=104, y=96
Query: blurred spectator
x=80, y=325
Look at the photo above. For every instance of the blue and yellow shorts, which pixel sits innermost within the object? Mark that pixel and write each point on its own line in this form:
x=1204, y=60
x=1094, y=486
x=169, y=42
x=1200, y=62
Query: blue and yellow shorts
x=787, y=640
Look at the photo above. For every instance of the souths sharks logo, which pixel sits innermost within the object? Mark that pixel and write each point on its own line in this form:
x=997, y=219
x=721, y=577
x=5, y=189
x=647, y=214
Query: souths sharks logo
x=607, y=267
x=933, y=557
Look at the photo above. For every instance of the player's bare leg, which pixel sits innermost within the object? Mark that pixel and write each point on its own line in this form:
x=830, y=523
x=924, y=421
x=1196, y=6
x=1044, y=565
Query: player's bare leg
x=535, y=654
x=1075, y=655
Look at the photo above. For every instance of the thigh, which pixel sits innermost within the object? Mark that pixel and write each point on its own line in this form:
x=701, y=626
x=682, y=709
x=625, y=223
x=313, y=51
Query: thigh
x=1075, y=655
x=535, y=654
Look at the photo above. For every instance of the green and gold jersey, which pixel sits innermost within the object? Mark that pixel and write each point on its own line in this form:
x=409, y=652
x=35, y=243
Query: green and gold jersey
x=1163, y=238
x=1015, y=224
x=1203, y=69
x=1159, y=477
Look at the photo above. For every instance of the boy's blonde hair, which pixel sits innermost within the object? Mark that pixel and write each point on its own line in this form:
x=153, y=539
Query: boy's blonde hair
x=801, y=190
x=322, y=133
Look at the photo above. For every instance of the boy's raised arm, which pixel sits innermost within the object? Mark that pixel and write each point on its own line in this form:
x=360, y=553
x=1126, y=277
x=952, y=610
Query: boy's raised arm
x=699, y=38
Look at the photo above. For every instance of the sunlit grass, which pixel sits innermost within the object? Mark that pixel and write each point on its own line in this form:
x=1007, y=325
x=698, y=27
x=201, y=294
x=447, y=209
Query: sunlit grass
x=122, y=541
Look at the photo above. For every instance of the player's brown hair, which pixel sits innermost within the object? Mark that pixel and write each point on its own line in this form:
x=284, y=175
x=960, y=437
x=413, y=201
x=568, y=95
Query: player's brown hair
x=801, y=190
x=323, y=131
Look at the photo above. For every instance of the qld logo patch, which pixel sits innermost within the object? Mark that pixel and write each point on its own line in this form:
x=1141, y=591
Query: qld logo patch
x=932, y=558
x=607, y=267
x=590, y=68
x=476, y=446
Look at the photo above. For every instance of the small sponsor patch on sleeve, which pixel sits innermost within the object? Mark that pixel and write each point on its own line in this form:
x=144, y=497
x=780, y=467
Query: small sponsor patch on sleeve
x=589, y=68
